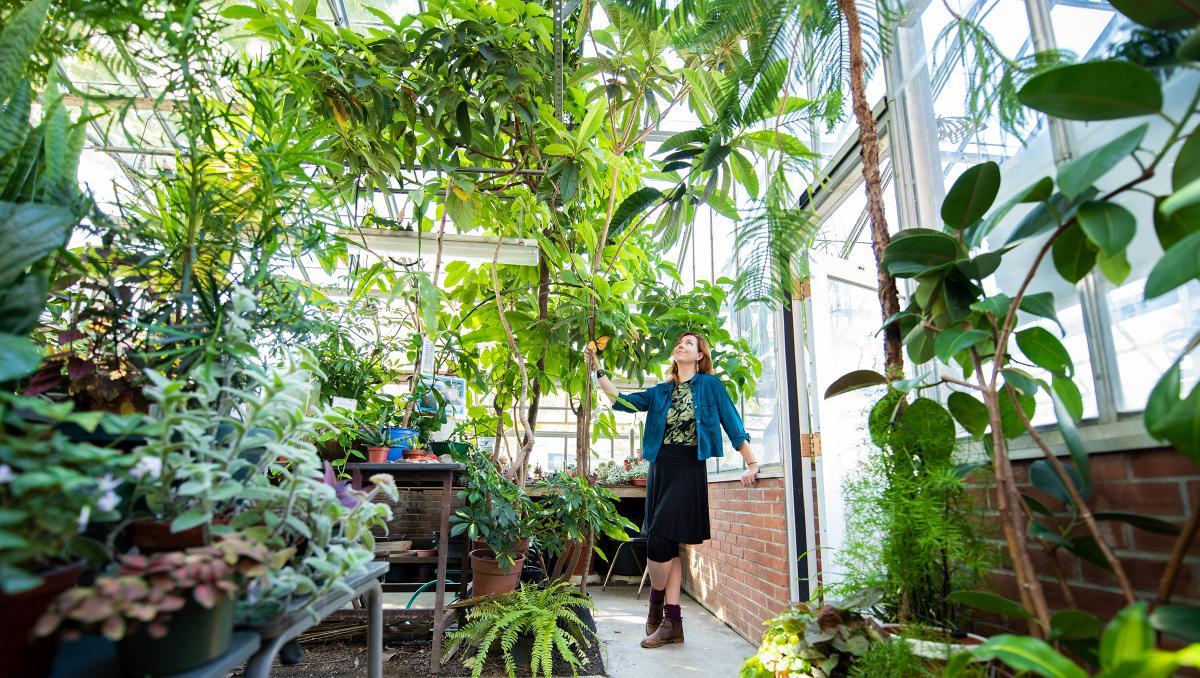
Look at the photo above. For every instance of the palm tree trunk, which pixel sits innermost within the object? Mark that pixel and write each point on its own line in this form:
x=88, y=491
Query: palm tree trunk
x=868, y=139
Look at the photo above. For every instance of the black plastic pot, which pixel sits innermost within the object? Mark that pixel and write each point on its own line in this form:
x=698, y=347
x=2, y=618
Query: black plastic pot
x=195, y=636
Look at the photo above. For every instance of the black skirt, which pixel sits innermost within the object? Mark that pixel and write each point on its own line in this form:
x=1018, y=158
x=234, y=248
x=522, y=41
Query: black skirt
x=677, y=496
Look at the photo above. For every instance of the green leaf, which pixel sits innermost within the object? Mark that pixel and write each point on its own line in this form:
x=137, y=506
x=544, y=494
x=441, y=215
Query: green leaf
x=592, y=121
x=28, y=233
x=997, y=304
x=744, y=172
x=969, y=412
x=1115, y=267
x=971, y=196
x=17, y=39
x=14, y=580
x=1045, y=350
x=1160, y=15
x=1066, y=426
x=1039, y=191
x=1074, y=625
x=1177, y=620
x=1178, y=266
x=1074, y=255
x=700, y=135
x=1088, y=549
x=631, y=207
x=1185, y=196
x=1077, y=175
x=1041, y=305
x=949, y=342
x=1049, y=214
x=19, y=357
x=557, y=149
x=1043, y=476
x=1065, y=390
x=461, y=210
x=191, y=519
x=915, y=250
x=1187, y=163
x=853, y=381
x=1025, y=653
x=1010, y=423
x=1164, y=397
x=1020, y=381
x=11, y=540
x=1108, y=225
x=1096, y=90
x=1190, y=49
x=989, y=602
x=1172, y=228
x=1126, y=637
x=242, y=12
x=1181, y=426
x=462, y=117
x=919, y=345
x=1147, y=523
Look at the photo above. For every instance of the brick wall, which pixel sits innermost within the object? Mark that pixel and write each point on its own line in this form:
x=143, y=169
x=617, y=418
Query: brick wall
x=1158, y=482
x=741, y=574
x=417, y=512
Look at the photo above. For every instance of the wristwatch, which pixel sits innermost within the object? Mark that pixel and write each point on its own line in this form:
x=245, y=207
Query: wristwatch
x=601, y=373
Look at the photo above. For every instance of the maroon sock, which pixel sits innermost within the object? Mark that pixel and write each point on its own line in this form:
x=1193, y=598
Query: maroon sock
x=672, y=612
x=657, y=596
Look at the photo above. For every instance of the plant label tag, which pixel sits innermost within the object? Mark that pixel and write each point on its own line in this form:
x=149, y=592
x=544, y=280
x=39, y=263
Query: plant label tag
x=344, y=403
x=426, y=356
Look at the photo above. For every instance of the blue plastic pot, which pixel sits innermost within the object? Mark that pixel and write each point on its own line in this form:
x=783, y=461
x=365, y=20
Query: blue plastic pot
x=402, y=437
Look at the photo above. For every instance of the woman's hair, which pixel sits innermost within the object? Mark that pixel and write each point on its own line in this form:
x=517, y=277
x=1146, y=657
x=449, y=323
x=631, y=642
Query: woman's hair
x=703, y=365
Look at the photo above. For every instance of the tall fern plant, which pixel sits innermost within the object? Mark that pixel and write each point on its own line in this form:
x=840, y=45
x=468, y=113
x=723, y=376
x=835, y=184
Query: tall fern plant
x=546, y=615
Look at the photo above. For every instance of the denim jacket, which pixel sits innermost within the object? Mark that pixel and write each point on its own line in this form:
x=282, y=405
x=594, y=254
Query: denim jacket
x=714, y=410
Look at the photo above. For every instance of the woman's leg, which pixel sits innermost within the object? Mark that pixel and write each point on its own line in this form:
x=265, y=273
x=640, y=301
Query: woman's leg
x=674, y=581
x=660, y=575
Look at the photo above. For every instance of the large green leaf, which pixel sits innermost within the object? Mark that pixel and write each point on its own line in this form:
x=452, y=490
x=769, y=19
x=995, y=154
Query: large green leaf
x=1039, y=191
x=1078, y=175
x=1161, y=15
x=971, y=414
x=949, y=342
x=1074, y=254
x=1190, y=49
x=1066, y=391
x=19, y=357
x=1183, y=197
x=1070, y=434
x=1181, y=425
x=1187, y=164
x=684, y=138
x=1180, y=621
x=28, y=233
x=1164, y=397
x=1025, y=653
x=853, y=381
x=1176, y=226
x=1010, y=422
x=1108, y=225
x=1074, y=625
x=1147, y=523
x=1043, y=476
x=1126, y=637
x=1115, y=266
x=1177, y=267
x=14, y=124
x=631, y=207
x=989, y=602
x=745, y=172
x=1045, y=350
x=1051, y=213
x=1097, y=90
x=971, y=196
x=1041, y=305
x=17, y=40
x=916, y=250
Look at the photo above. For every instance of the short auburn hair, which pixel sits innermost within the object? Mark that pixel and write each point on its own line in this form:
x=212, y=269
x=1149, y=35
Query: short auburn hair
x=703, y=366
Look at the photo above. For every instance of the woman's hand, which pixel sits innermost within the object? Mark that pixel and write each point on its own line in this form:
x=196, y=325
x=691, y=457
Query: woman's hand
x=589, y=357
x=750, y=475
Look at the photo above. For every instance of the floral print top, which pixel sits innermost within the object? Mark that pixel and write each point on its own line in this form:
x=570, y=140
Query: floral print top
x=681, y=417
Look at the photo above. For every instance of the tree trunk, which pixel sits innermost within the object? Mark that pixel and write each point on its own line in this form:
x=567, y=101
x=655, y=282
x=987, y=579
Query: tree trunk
x=868, y=139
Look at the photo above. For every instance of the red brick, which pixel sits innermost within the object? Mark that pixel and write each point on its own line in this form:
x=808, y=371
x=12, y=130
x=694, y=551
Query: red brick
x=1160, y=543
x=1161, y=498
x=1109, y=467
x=1161, y=463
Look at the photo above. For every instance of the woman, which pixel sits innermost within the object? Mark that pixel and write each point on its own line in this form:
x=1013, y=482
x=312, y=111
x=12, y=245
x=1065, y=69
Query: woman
x=682, y=430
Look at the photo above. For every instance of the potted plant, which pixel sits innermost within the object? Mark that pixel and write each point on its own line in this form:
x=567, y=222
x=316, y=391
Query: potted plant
x=167, y=612
x=50, y=489
x=575, y=509
x=377, y=439
x=499, y=518
x=810, y=639
x=638, y=470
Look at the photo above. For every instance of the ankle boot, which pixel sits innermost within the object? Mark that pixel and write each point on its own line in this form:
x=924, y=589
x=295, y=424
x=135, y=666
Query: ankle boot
x=669, y=631
x=654, y=617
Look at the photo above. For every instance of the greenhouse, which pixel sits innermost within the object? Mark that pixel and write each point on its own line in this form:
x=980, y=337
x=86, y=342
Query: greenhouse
x=513, y=337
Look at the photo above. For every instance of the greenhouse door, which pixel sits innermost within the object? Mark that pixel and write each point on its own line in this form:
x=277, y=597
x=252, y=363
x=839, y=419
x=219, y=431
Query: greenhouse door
x=837, y=321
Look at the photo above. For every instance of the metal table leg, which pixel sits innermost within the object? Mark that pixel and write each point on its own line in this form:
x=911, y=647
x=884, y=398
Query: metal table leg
x=375, y=631
x=259, y=665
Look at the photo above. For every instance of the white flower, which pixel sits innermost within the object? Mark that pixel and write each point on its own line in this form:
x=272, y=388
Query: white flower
x=6, y=474
x=109, y=483
x=108, y=501
x=84, y=513
x=146, y=466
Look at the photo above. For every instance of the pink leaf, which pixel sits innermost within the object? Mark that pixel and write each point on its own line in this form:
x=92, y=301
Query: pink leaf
x=205, y=595
x=157, y=630
x=113, y=628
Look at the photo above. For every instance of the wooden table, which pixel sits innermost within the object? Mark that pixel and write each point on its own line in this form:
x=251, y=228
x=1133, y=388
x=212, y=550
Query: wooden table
x=410, y=475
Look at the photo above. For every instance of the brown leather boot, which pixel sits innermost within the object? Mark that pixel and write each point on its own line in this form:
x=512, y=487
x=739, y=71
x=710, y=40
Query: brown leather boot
x=669, y=631
x=654, y=617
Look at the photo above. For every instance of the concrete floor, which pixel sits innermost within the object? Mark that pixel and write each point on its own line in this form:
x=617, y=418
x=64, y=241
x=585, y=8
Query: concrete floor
x=711, y=648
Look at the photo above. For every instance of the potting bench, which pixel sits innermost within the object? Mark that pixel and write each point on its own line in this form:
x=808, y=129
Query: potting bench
x=280, y=630
x=423, y=475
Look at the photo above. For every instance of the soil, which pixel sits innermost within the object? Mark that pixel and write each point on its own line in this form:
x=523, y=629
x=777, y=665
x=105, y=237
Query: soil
x=403, y=659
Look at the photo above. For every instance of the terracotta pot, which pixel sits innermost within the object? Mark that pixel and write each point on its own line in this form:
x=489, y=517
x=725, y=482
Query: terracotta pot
x=487, y=577
x=377, y=455
x=413, y=454
x=638, y=482
x=24, y=656
x=520, y=546
x=586, y=561
x=155, y=536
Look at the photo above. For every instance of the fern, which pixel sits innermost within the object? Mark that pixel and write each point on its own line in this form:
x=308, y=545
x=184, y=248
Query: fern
x=17, y=41
x=545, y=614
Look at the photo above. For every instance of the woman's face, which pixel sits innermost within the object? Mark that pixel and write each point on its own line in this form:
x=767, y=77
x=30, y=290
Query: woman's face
x=687, y=350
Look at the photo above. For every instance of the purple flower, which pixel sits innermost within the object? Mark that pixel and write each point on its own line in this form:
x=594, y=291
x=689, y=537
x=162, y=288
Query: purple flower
x=345, y=494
